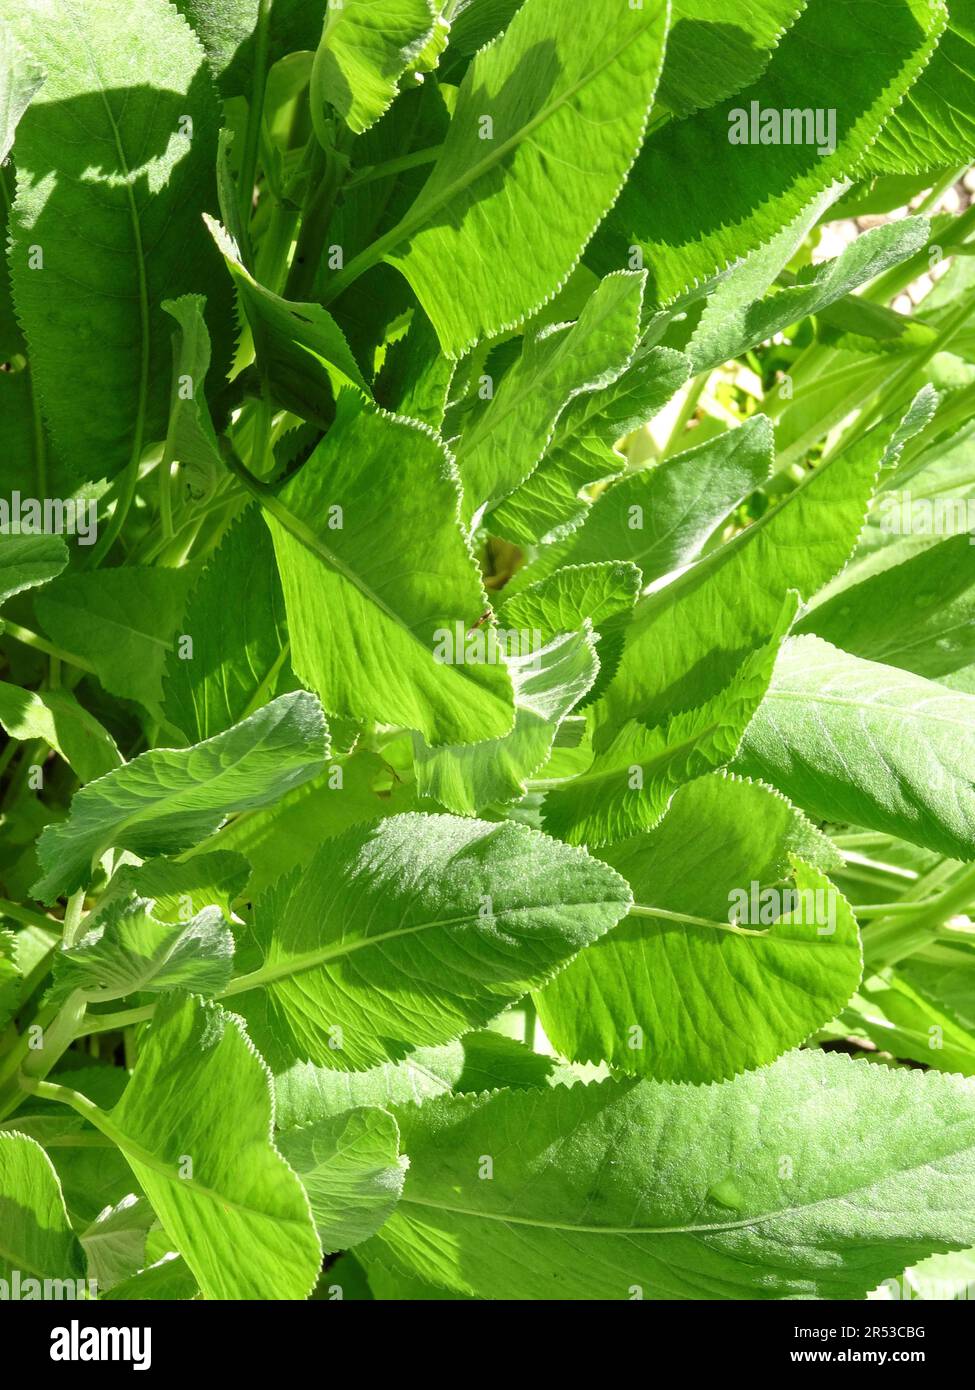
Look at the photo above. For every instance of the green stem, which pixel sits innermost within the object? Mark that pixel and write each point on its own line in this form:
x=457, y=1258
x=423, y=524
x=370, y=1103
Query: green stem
x=10, y=1092
x=687, y=412
x=27, y=917
x=639, y=910
x=58, y=1037
x=72, y=917
x=894, y=281
x=255, y=113
x=939, y=189
x=41, y=644
x=887, y=942
x=531, y=1016
x=329, y=170
x=373, y=172
x=130, y=481
x=50, y=1090
x=893, y=395
x=166, y=491
x=117, y=1022
x=271, y=268
x=889, y=909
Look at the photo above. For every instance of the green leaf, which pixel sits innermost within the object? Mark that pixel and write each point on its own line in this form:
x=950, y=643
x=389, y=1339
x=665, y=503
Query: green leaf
x=549, y=682
x=366, y=49
x=726, y=332
x=239, y=654
x=852, y=740
x=288, y=834
x=115, y=160
x=179, y=889
x=350, y=1166
x=195, y=1126
x=168, y=799
x=682, y=1000
x=416, y=376
x=29, y=560
x=479, y=1061
x=410, y=932
x=37, y=1240
x=716, y=47
x=300, y=348
x=814, y=1178
x=20, y=80
x=191, y=439
x=502, y=447
x=660, y=518
x=227, y=30
x=565, y=600
x=128, y=950
x=167, y=1279
x=372, y=587
x=115, y=1242
x=922, y=1009
x=631, y=783
x=535, y=177
x=475, y=24
x=121, y=621
x=687, y=639
x=917, y=615
x=551, y=502
x=56, y=717
x=856, y=60
x=935, y=123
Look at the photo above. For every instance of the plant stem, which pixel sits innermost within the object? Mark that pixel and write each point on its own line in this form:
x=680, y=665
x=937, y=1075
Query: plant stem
x=939, y=189
x=130, y=481
x=640, y=910
x=58, y=1037
x=373, y=172
x=531, y=1016
x=50, y=1090
x=27, y=917
x=687, y=411
x=116, y=1023
x=887, y=942
x=72, y=917
x=41, y=644
x=271, y=266
x=329, y=170
x=255, y=113
x=166, y=492
x=889, y=909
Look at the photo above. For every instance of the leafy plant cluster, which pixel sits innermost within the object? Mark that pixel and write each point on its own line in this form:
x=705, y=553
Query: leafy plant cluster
x=489, y=802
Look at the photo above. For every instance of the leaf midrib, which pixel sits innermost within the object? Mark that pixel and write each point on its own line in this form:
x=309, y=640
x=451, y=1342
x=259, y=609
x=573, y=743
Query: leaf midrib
x=713, y=1228
x=423, y=211
x=476, y=171
x=310, y=960
x=866, y=705
x=152, y=809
